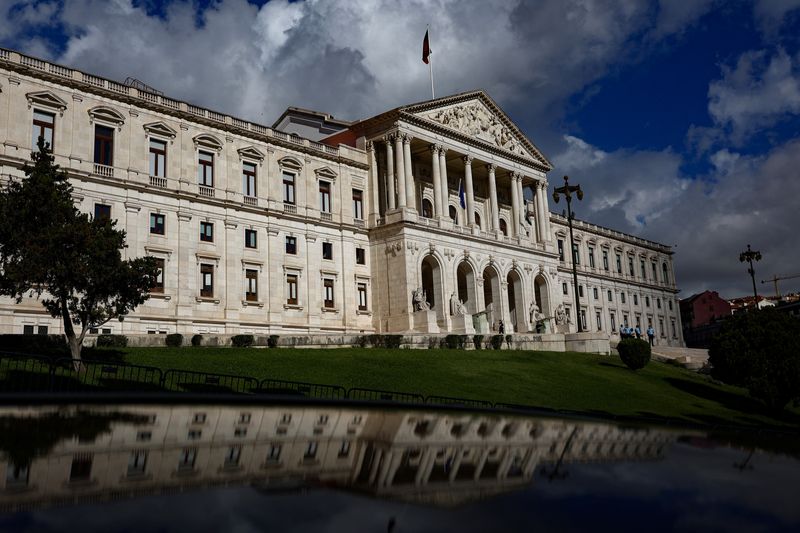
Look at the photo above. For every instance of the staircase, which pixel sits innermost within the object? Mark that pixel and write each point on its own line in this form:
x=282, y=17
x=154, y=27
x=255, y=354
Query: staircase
x=691, y=358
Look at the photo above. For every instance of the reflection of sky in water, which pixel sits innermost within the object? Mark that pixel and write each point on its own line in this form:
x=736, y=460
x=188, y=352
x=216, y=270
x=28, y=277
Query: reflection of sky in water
x=691, y=489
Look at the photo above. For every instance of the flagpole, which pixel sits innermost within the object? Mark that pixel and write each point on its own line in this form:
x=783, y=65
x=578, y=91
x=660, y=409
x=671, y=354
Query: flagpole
x=430, y=62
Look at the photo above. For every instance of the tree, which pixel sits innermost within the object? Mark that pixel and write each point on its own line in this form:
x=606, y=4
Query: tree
x=759, y=350
x=72, y=262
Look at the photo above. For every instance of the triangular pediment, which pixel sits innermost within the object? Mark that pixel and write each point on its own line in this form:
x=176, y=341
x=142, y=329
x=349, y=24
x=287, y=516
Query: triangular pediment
x=160, y=129
x=46, y=99
x=478, y=116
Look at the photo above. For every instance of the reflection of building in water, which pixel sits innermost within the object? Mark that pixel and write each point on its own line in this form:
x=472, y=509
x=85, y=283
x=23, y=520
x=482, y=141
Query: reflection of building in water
x=436, y=458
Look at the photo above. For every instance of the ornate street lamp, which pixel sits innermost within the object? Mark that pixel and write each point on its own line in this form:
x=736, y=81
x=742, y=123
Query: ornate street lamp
x=567, y=191
x=750, y=255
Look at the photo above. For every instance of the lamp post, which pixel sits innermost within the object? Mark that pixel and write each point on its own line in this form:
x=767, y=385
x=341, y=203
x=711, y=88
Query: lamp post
x=750, y=255
x=567, y=191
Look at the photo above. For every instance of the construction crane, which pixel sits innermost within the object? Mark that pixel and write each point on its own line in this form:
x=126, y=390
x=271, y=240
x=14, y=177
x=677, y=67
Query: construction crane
x=776, y=279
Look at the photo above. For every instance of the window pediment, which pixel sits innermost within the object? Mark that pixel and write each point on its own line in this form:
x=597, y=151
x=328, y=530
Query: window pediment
x=290, y=163
x=325, y=173
x=208, y=141
x=160, y=129
x=250, y=152
x=46, y=99
x=106, y=114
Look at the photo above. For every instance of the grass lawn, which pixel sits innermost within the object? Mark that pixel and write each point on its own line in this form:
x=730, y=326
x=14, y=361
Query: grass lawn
x=588, y=383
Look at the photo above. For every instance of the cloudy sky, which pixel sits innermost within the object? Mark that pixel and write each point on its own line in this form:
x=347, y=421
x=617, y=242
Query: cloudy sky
x=680, y=118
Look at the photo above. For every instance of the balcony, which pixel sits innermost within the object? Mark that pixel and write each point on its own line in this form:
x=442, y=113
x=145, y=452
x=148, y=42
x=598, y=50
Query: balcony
x=358, y=222
x=252, y=201
x=290, y=209
x=207, y=192
x=104, y=170
x=157, y=181
x=325, y=216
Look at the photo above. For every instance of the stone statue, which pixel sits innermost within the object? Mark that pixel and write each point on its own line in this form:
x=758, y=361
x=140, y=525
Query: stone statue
x=457, y=307
x=535, y=314
x=561, y=315
x=420, y=300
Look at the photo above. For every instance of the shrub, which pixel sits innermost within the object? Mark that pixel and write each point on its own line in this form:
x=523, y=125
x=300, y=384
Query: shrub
x=272, y=341
x=376, y=341
x=111, y=341
x=44, y=345
x=635, y=353
x=451, y=341
x=174, y=339
x=509, y=339
x=496, y=341
x=760, y=351
x=361, y=341
x=197, y=340
x=433, y=342
x=242, y=341
x=477, y=340
x=392, y=341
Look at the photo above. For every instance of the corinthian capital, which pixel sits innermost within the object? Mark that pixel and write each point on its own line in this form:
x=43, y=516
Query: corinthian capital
x=406, y=138
x=491, y=167
x=468, y=160
x=435, y=148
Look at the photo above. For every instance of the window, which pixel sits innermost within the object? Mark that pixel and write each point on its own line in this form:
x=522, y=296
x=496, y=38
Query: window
x=240, y=432
x=144, y=436
x=27, y=329
x=288, y=188
x=158, y=158
x=478, y=220
x=102, y=212
x=103, y=145
x=591, y=257
x=250, y=238
x=325, y=196
x=199, y=418
x=286, y=418
x=564, y=289
x=503, y=227
x=361, y=258
x=244, y=418
x=205, y=168
x=647, y=301
x=661, y=327
x=630, y=265
x=594, y=293
x=207, y=231
x=157, y=224
x=427, y=208
x=625, y=320
x=613, y=322
x=362, y=296
x=576, y=256
x=187, y=458
x=583, y=320
x=453, y=212
x=622, y=297
x=580, y=291
x=635, y=299
x=674, y=331
x=251, y=285
x=137, y=462
x=669, y=303
x=605, y=260
x=274, y=453
x=322, y=419
x=598, y=320
x=248, y=179
x=291, y=245
x=560, y=250
x=158, y=285
x=311, y=450
x=344, y=451
x=291, y=289
x=17, y=474
x=327, y=250
x=643, y=269
x=655, y=277
x=43, y=126
x=610, y=296
x=619, y=264
x=207, y=281
x=327, y=289
x=233, y=456
x=358, y=204
x=658, y=303
x=664, y=276
x=81, y=469
x=195, y=434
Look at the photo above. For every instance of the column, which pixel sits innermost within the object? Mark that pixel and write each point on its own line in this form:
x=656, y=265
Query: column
x=411, y=195
x=374, y=198
x=493, y=198
x=470, y=195
x=523, y=207
x=545, y=213
x=443, y=177
x=437, y=182
x=400, y=167
x=389, y=171
x=514, y=229
x=539, y=205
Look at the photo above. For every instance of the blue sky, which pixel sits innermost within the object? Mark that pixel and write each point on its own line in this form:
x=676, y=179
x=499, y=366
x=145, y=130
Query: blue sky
x=681, y=119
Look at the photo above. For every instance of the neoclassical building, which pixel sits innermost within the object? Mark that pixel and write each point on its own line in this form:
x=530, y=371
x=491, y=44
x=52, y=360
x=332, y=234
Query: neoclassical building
x=430, y=218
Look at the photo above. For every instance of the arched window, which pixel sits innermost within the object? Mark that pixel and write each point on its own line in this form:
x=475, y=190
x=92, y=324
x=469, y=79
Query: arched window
x=478, y=220
x=453, y=214
x=427, y=208
x=503, y=227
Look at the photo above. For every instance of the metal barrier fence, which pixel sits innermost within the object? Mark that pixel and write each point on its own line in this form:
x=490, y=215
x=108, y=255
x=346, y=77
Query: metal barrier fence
x=20, y=373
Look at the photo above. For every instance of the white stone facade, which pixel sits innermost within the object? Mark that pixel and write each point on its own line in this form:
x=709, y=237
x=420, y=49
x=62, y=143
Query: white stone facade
x=369, y=216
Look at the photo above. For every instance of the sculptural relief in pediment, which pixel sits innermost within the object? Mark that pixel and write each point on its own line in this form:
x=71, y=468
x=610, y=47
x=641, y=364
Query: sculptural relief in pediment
x=475, y=119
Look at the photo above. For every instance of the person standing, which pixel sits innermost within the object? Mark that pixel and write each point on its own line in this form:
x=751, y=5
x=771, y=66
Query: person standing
x=638, y=332
x=651, y=334
x=502, y=328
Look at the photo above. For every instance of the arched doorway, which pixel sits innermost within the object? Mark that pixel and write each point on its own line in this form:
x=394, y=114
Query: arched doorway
x=427, y=208
x=503, y=227
x=542, y=297
x=516, y=303
x=431, y=277
x=478, y=220
x=491, y=295
x=465, y=281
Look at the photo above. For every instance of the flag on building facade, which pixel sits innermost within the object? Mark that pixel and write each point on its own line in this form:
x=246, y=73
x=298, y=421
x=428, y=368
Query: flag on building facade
x=426, y=49
x=462, y=197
